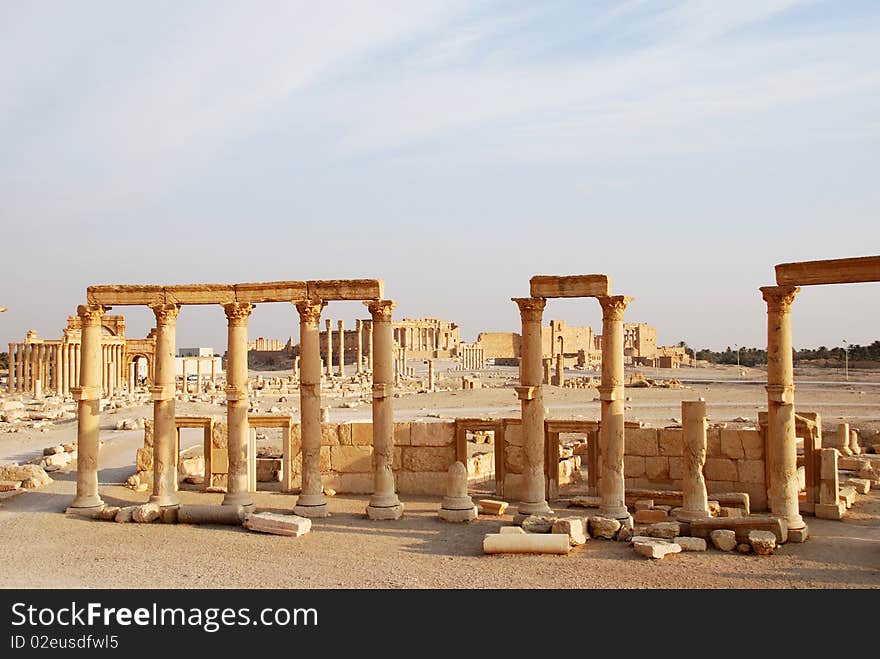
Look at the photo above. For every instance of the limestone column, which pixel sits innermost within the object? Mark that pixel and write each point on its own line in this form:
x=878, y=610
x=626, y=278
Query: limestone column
x=341, y=341
x=781, y=443
x=560, y=370
x=237, y=493
x=88, y=397
x=529, y=392
x=199, y=375
x=77, y=360
x=69, y=381
x=843, y=439
x=213, y=372
x=19, y=375
x=164, y=401
x=311, y=501
x=384, y=503
x=329, y=363
x=370, y=347
x=132, y=375
x=10, y=380
x=430, y=375
x=183, y=368
x=546, y=371
x=611, y=395
x=359, y=331
x=693, y=431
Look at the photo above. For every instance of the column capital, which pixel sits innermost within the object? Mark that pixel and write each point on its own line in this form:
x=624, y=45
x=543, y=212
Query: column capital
x=166, y=314
x=380, y=309
x=310, y=310
x=237, y=313
x=91, y=315
x=779, y=298
x=531, y=308
x=613, y=306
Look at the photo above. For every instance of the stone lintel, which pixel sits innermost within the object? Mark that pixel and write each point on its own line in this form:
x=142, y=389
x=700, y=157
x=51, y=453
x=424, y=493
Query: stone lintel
x=269, y=421
x=570, y=286
x=200, y=294
x=192, y=421
x=124, y=295
x=276, y=291
x=527, y=393
x=830, y=271
x=346, y=289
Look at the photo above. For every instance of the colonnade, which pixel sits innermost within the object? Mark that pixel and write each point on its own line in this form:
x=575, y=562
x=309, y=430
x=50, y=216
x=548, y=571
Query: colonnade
x=335, y=348
x=472, y=357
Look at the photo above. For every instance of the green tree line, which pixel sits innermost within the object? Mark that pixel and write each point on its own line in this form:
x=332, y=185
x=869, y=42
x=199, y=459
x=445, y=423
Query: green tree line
x=754, y=356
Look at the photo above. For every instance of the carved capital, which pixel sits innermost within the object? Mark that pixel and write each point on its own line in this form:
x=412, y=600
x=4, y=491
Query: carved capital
x=613, y=306
x=237, y=313
x=531, y=309
x=310, y=311
x=779, y=298
x=166, y=314
x=380, y=310
x=90, y=315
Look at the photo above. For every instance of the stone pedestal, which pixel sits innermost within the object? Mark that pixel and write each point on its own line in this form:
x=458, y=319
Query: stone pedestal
x=531, y=397
x=237, y=403
x=694, y=443
x=88, y=399
x=384, y=503
x=611, y=395
x=311, y=502
x=781, y=456
x=457, y=505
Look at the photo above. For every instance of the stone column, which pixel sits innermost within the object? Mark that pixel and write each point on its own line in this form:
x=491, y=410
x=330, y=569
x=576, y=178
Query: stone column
x=359, y=331
x=132, y=375
x=88, y=397
x=341, y=351
x=10, y=381
x=68, y=374
x=311, y=501
x=547, y=364
x=19, y=376
x=843, y=439
x=384, y=503
x=329, y=363
x=560, y=367
x=237, y=493
x=370, y=347
x=164, y=401
x=529, y=392
x=183, y=369
x=77, y=360
x=431, y=386
x=693, y=431
x=199, y=375
x=611, y=395
x=781, y=442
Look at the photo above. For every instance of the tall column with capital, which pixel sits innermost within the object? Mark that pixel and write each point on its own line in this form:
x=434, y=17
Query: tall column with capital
x=384, y=503
x=56, y=369
x=329, y=363
x=533, y=498
x=781, y=442
x=311, y=502
x=340, y=339
x=10, y=380
x=237, y=491
x=370, y=347
x=164, y=397
x=19, y=375
x=611, y=396
x=359, y=331
x=88, y=397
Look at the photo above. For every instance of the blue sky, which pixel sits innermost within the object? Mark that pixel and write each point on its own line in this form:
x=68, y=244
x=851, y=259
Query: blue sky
x=452, y=149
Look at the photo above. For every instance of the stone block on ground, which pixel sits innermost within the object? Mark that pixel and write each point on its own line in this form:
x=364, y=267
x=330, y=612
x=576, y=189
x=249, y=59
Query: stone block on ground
x=654, y=548
x=108, y=513
x=278, y=524
x=689, y=543
x=650, y=516
x=860, y=485
x=723, y=539
x=701, y=528
x=9, y=486
x=526, y=543
x=538, y=523
x=603, y=527
x=585, y=502
x=31, y=476
x=643, y=504
x=124, y=515
x=665, y=530
x=848, y=495
x=146, y=513
x=511, y=529
x=573, y=527
x=762, y=542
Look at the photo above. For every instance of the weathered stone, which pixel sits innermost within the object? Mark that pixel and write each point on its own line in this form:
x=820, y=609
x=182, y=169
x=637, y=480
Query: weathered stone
x=860, y=485
x=643, y=504
x=278, y=524
x=655, y=548
x=603, y=527
x=124, y=515
x=848, y=495
x=573, y=527
x=744, y=548
x=741, y=526
x=52, y=450
x=146, y=513
x=31, y=476
x=667, y=530
x=511, y=529
x=492, y=507
x=625, y=534
x=9, y=486
x=108, y=513
x=585, y=502
x=763, y=542
x=727, y=511
x=527, y=543
x=688, y=543
x=650, y=516
x=538, y=523
x=723, y=539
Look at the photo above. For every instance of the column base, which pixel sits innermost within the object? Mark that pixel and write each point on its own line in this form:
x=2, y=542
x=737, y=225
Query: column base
x=311, y=512
x=798, y=535
x=692, y=515
x=614, y=512
x=242, y=499
x=468, y=515
x=527, y=508
x=86, y=502
x=91, y=512
x=385, y=512
x=165, y=500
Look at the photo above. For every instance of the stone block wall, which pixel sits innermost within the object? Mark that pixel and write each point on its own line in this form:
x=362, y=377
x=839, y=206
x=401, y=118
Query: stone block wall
x=734, y=461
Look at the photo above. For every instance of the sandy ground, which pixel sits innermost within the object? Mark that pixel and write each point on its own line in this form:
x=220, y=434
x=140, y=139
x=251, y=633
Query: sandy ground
x=43, y=548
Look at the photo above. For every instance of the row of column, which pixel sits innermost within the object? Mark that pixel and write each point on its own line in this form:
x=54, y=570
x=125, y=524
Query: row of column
x=422, y=338
x=472, y=357
x=36, y=367
x=383, y=504
x=334, y=351
x=611, y=432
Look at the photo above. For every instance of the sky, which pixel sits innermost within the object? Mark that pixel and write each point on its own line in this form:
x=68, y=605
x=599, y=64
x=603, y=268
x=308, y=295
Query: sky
x=452, y=149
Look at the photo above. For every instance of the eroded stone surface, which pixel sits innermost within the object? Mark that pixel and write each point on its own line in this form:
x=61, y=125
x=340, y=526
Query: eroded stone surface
x=723, y=539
